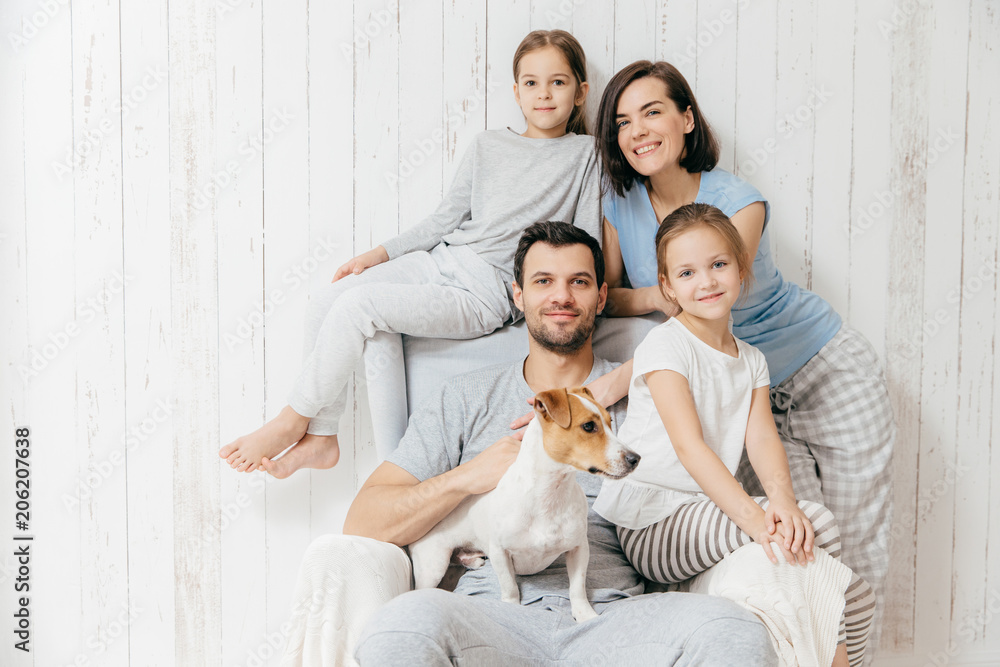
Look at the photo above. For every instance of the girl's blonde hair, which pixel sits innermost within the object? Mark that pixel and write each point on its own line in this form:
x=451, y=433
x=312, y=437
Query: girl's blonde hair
x=691, y=216
x=573, y=52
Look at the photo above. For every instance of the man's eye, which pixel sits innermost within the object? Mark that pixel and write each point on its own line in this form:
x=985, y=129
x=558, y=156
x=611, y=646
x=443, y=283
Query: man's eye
x=589, y=427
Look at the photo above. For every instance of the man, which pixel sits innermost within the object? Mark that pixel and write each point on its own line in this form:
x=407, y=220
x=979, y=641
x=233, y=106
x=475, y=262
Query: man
x=459, y=445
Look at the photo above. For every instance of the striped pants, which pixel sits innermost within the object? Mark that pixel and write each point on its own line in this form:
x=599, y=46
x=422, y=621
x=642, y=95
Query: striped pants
x=699, y=534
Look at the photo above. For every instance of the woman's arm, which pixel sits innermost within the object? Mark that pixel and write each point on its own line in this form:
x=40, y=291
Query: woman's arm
x=623, y=301
x=749, y=221
x=768, y=459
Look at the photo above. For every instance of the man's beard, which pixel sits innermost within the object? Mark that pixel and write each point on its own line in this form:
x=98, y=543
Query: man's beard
x=559, y=341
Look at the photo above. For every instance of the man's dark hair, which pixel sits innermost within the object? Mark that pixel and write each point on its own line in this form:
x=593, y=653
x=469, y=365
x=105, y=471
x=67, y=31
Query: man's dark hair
x=557, y=235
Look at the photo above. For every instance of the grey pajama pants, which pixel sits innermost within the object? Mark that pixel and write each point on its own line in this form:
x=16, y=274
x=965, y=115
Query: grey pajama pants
x=433, y=627
x=835, y=421
x=445, y=293
x=699, y=534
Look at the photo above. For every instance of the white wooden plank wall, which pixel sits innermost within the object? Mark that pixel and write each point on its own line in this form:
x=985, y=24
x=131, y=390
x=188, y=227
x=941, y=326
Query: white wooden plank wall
x=176, y=179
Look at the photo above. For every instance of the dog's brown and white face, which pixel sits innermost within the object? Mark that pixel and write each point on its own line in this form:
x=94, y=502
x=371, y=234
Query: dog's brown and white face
x=576, y=430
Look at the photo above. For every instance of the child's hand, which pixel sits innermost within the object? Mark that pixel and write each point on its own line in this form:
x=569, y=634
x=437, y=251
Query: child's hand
x=787, y=521
x=375, y=256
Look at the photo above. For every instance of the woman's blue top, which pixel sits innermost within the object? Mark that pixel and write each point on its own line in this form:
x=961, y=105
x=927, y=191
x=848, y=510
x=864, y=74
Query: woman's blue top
x=785, y=322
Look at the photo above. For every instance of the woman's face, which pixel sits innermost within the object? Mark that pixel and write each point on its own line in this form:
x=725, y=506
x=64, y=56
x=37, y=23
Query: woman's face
x=651, y=128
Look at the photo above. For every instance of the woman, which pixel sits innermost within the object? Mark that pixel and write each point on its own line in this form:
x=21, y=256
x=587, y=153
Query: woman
x=828, y=394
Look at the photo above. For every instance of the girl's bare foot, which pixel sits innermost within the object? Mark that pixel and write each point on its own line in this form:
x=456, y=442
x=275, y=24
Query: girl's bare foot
x=312, y=451
x=244, y=454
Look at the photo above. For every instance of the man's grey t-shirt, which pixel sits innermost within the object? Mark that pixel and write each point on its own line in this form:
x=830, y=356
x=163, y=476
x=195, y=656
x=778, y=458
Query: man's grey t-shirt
x=469, y=414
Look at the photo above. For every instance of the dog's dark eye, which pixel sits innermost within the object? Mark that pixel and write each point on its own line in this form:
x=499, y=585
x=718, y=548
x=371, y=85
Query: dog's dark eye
x=589, y=427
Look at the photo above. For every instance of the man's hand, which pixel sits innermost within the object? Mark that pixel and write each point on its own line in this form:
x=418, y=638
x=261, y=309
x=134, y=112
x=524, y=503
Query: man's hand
x=486, y=468
x=375, y=256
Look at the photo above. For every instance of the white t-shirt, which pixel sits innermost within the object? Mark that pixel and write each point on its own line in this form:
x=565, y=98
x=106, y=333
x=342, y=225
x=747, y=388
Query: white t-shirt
x=721, y=386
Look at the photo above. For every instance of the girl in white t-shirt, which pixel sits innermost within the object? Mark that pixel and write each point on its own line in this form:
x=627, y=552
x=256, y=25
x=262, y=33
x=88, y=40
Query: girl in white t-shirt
x=697, y=394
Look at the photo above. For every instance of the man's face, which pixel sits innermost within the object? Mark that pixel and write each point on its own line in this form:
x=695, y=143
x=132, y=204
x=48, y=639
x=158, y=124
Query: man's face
x=560, y=296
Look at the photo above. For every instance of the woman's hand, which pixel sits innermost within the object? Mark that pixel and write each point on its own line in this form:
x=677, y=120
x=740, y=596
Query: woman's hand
x=373, y=257
x=785, y=519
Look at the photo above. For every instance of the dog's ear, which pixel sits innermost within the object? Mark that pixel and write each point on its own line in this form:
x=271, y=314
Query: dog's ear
x=554, y=405
x=584, y=391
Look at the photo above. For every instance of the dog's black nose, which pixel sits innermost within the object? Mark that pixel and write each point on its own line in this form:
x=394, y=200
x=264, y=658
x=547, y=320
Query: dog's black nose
x=632, y=459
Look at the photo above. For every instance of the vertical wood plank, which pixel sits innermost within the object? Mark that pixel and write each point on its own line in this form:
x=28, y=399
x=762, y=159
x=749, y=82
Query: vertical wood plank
x=796, y=99
x=932, y=521
x=757, y=138
x=552, y=15
x=100, y=278
x=194, y=317
x=37, y=391
x=464, y=79
x=506, y=25
x=908, y=135
x=835, y=66
x=635, y=25
x=594, y=28
x=677, y=37
x=977, y=343
x=332, y=48
x=870, y=221
x=716, y=73
x=284, y=137
x=238, y=199
x=148, y=384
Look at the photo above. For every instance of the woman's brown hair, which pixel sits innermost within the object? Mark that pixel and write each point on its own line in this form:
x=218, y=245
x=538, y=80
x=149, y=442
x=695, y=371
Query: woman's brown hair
x=701, y=148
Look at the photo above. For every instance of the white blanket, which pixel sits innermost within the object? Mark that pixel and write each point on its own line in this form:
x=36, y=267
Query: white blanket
x=801, y=606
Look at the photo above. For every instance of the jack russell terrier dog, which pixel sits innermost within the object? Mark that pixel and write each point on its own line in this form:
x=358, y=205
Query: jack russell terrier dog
x=571, y=432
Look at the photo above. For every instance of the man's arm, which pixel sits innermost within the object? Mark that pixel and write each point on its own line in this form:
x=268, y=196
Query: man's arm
x=394, y=506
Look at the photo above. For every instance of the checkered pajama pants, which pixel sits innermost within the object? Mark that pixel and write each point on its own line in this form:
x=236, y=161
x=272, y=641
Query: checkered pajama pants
x=835, y=421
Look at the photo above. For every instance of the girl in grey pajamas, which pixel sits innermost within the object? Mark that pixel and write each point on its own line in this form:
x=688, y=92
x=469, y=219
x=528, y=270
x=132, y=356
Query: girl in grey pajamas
x=449, y=276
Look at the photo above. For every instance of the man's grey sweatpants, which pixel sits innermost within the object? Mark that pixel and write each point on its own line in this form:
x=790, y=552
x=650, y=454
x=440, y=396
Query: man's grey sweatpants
x=434, y=627
x=449, y=292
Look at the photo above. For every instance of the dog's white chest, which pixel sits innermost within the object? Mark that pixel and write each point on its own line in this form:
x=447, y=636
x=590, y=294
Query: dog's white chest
x=534, y=535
